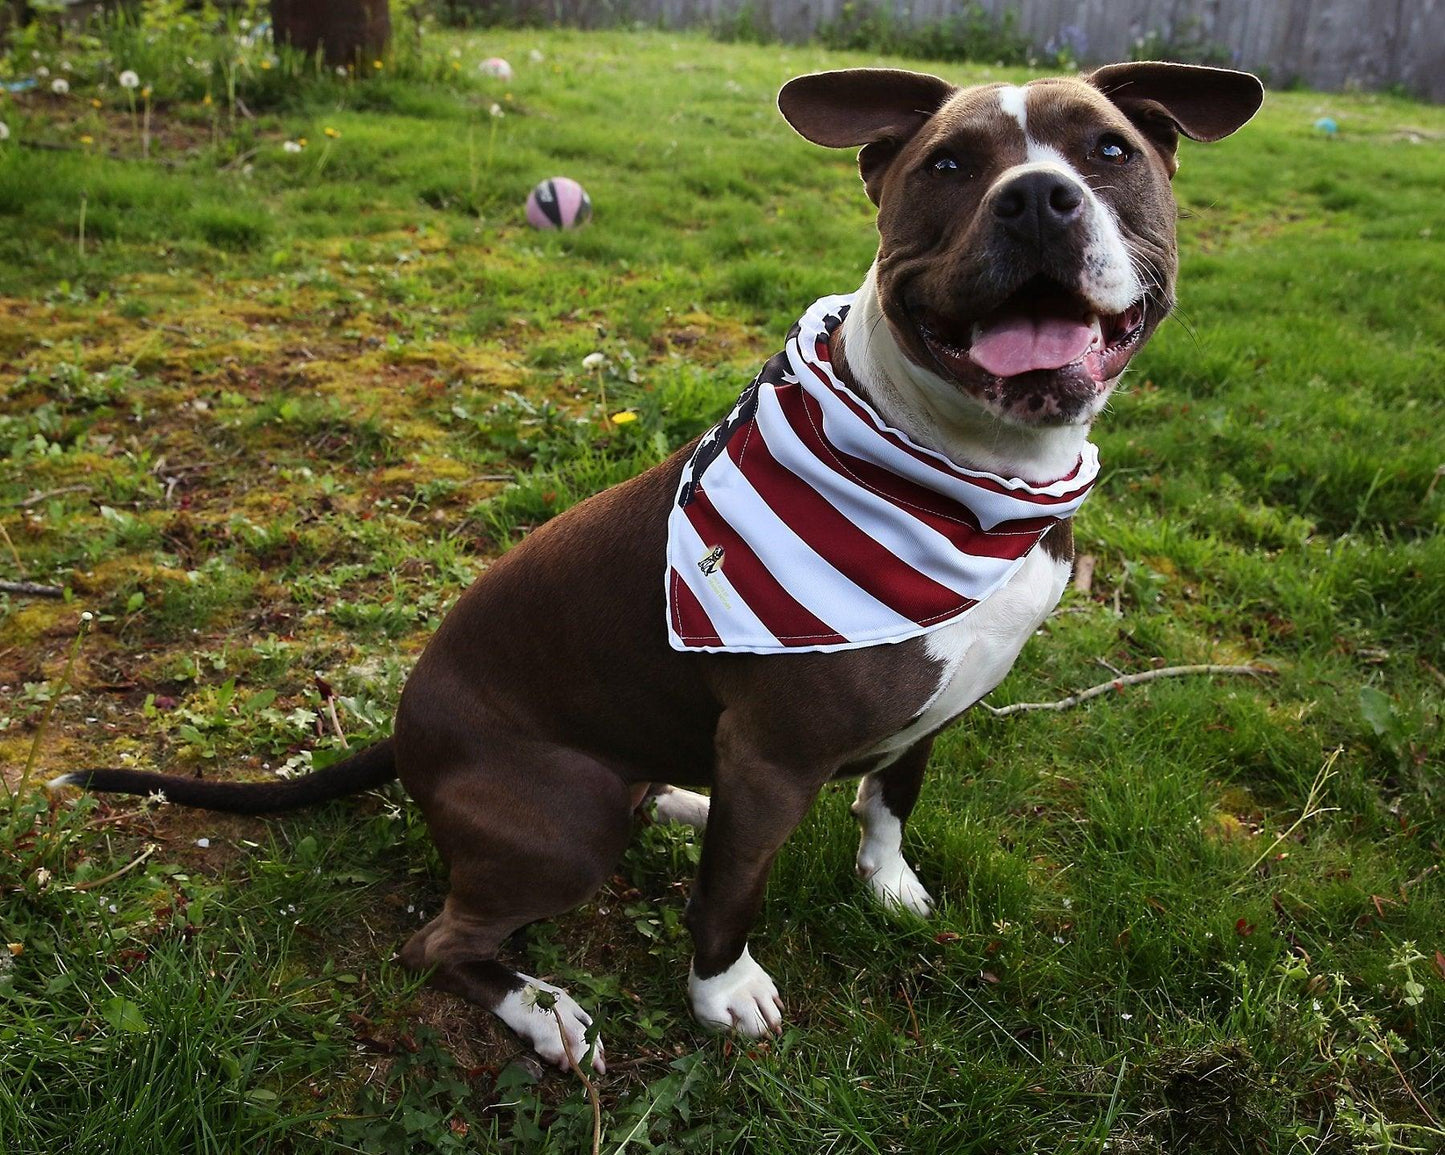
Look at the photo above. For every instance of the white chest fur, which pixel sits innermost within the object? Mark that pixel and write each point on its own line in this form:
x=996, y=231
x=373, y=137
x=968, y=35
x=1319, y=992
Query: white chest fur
x=974, y=653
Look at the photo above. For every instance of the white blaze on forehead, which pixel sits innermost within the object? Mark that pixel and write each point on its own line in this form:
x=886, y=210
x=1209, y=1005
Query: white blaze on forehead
x=1014, y=101
x=1108, y=277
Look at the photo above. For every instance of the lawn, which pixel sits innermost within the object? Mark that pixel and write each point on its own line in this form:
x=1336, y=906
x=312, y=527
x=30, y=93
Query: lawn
x=269, y=412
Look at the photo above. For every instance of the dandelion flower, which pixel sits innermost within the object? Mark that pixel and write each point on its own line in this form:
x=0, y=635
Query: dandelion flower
x=87, y=139
x=265, y=64
x=4, y=131
x=146, y=92
x=377, y=64
x=94, y=103
x=292, y=146
x=331, y=132
x=129, y=79
x=302, y=141
x=624, y=417
x=496, y=110
x=60, y=86
x=207, y=100
x=594, y=361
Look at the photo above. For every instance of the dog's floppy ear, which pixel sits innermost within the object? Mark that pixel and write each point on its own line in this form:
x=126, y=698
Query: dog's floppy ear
x=1164, y=100
x=877, y=108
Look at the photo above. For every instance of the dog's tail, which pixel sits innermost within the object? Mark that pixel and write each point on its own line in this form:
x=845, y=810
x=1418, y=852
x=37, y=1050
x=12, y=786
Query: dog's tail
x=374, y=766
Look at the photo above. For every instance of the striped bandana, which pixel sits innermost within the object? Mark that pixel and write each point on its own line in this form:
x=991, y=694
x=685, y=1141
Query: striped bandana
x=803, y=522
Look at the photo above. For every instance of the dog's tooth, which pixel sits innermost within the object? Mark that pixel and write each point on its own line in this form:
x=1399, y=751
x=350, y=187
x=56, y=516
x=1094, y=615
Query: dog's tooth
x=1097, y=341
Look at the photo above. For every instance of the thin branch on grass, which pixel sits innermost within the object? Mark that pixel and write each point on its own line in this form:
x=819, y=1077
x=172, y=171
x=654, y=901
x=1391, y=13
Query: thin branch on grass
x=1312, y=808
x=127, y=868
x=14, y=553
x=913, y=1017
x=586, y=1082
x=37, y=498
x=31, y=590
x=1119, y=683
x=238, y=161
x=18, y=794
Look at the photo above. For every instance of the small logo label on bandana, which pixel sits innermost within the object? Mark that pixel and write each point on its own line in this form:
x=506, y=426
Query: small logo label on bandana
x=713, y=562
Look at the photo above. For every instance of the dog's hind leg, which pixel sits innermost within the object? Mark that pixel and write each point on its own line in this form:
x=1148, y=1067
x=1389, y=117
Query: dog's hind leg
x=885, y=800
x=522, y=845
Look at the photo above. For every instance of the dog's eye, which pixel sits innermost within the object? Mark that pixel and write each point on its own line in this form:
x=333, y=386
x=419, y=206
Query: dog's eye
x=943, y=164
x=1112, y=149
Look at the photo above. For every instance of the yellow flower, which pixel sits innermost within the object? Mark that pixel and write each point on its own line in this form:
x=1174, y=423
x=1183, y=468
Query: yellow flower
x=87, y=139
x=207, y=100
x=331, y=132
x=146, y=92
x=377, y=64
x=507, y=96
x=94, y=103
x=624, y=417
x=456, y=63
x=265, y=64
x=301, y=140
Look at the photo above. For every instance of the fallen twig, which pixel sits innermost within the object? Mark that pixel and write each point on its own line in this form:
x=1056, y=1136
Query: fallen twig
x=37, y=498
x=586, y=1082
x=1312, y=808
x=238, y=161
x=94, y=882
x=1120, y=682
x=32, y=590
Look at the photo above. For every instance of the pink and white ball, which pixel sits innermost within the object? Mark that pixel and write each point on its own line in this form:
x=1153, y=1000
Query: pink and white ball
x=496, y=67
x=558, y=203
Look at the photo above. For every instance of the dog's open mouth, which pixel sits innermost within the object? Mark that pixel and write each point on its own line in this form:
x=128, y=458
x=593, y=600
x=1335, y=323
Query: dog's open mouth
x=1044, y=337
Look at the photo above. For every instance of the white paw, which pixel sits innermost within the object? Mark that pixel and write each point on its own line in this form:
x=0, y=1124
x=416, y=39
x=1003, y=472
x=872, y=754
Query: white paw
x=684, y=806
x=539, y=1027
x=742, y=998
x=894, y=884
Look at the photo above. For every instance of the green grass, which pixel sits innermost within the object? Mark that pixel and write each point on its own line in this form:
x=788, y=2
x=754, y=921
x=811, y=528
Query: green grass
x=279, y=410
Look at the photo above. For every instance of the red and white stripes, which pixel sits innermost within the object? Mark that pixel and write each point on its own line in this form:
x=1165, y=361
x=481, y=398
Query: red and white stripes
x=804, y=523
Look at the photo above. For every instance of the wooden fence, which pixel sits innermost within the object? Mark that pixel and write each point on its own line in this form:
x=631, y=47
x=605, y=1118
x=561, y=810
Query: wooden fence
x=1328, y=44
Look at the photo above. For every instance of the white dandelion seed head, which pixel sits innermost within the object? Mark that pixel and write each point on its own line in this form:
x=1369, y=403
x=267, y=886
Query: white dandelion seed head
x=42, y=72
x=60, y=86
x=203, y=843
x=594, y=360
x=87, y=616
x=496, y=110
x=535, y=56
x=4, y=131
x=129, y=79
x=291, y=146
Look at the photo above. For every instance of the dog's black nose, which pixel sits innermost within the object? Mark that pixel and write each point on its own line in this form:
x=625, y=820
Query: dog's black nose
x=1037, y=206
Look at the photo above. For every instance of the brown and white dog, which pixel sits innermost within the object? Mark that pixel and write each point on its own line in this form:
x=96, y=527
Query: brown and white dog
x=550, y=704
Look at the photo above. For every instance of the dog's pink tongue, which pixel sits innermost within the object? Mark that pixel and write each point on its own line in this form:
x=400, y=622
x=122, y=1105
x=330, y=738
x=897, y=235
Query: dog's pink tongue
x=1019, y=343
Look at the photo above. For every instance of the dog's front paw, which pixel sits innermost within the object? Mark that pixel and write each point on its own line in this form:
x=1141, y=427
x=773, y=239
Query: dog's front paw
x=542, y=1014
x=742, y=998
x=894, y=884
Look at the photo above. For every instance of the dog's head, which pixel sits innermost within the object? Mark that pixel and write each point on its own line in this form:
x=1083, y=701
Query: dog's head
x=1027, y=233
